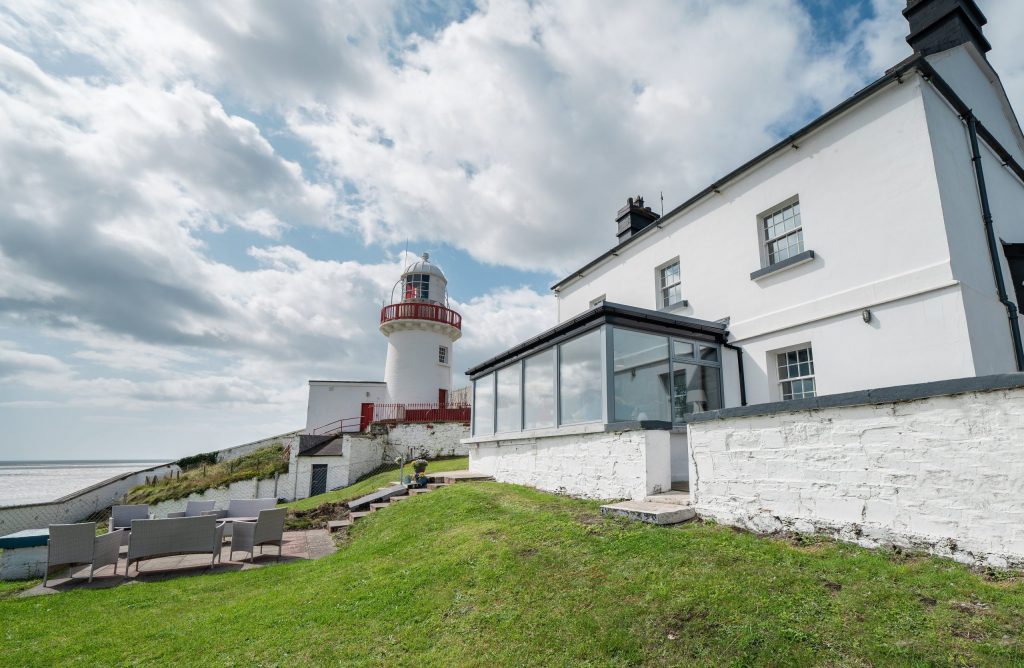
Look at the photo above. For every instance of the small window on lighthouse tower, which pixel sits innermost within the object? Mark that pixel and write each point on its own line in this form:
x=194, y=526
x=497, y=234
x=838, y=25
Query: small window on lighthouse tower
x=442, y=355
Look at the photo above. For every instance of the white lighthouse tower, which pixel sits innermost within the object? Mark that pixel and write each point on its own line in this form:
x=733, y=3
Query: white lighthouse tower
x=421, y=332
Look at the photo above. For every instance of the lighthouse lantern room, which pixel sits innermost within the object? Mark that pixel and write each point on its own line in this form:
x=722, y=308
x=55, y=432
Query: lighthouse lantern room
x=421, y=330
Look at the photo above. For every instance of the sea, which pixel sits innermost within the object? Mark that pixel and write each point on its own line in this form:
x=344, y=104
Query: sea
x=37, y=482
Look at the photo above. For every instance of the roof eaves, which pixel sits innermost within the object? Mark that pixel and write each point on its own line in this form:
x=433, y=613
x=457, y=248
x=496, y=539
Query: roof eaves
x=893, y=74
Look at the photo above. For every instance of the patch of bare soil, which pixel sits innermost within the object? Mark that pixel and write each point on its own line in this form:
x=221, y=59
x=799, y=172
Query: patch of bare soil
x=316, y=518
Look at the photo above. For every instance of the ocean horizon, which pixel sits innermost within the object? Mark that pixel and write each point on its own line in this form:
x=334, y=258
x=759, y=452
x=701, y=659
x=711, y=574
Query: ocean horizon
x=40, y=480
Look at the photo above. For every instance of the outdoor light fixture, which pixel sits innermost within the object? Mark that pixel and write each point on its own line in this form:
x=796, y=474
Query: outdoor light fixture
x=866, y=314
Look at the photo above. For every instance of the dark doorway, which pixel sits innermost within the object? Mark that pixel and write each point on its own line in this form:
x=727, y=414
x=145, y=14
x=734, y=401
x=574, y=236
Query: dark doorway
x=442, y=398
x=1015, y=258
x=318, y=481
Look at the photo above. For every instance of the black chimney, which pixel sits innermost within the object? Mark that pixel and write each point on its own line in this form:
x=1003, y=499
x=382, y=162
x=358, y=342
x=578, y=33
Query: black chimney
x=634, y=217
x=937, y=25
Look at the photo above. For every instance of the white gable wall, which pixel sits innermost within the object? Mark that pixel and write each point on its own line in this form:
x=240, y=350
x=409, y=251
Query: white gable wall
x=334, y=400
x=871, y=213
x=991, y=343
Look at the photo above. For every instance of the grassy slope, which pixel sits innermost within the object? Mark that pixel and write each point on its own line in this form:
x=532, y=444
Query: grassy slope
x=487, y=574
x=262, y=463
x=373, y=482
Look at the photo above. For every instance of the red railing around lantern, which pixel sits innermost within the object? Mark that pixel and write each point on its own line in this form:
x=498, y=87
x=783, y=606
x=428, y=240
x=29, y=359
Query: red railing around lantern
x=399, y=413
x=419, y=311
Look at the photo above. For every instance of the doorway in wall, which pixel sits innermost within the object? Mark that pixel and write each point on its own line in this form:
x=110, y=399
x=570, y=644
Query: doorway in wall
x=318, y=480
x=442, y=398
x=1015, y=258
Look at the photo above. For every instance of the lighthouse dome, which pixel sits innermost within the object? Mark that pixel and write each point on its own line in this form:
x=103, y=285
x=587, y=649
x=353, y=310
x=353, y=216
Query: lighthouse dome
x=423, y=265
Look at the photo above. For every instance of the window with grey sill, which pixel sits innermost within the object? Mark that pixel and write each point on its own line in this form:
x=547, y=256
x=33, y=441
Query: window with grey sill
x=782, y=233
x=670, y=284
x=796, y=374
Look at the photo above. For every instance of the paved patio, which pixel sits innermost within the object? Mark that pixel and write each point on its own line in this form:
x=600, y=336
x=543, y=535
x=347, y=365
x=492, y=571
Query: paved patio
x=304, y=545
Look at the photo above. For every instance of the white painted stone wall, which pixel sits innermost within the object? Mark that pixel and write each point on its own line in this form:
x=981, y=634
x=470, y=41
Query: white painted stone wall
x=944, y=474
x=77, y=506
x=227, y=454
x=332, y=400
x=594, y=465
x=240, y=489
x=438, y=439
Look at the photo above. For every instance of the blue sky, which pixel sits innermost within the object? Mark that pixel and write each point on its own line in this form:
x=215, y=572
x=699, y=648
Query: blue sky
x=202, y=205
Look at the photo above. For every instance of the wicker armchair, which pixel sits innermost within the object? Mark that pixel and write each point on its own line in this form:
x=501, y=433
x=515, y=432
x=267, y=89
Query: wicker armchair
x=121, y=518
x=242, y=508
x=74, y=544
x=267, y=530
x=194, y=509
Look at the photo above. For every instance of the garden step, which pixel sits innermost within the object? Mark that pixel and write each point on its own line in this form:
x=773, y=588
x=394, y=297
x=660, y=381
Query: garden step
x=414, y=492
x=435, y=485
x=338, y=525
x=458, y=476
x=652, y=513
x=400, y=498
x=374, y=507
x=674, y=497
x=359, y=515
x=376, y=497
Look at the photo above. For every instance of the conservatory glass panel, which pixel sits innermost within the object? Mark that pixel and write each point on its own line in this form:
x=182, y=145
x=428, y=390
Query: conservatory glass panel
x=695, y=388
x=483, y=405
x=539, y=390
x=580, y=379
x=509, y=405
x=640, y=376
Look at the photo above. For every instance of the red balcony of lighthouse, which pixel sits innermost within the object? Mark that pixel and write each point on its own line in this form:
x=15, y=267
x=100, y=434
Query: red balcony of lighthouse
x=421, y=311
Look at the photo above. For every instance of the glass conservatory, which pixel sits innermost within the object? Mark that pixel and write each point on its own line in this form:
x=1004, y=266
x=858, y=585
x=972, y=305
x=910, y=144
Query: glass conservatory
x=613, y=364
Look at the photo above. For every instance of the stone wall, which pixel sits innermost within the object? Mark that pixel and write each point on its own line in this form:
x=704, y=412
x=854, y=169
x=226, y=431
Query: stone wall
x=596, y=465
x=77, y=506
x=937, y=466
x=438, y=439
x=240, y=489
x=237, y=451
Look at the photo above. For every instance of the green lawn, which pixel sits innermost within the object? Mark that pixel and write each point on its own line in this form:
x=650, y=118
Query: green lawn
x=490, y=574
x=373, y=482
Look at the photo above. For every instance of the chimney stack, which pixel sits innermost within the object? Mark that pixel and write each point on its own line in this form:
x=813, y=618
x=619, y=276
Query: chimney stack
x=938, y=25
x=634, y=217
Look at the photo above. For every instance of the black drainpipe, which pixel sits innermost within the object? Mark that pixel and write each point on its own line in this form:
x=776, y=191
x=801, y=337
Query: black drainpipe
x=993, y=251
x=739, y=366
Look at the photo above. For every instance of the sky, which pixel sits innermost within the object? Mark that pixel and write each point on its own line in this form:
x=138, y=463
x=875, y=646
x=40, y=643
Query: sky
x=204, y=205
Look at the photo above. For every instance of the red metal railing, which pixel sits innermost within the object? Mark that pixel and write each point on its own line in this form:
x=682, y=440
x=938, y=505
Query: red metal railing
x=338, y=426
x=418, y=311
x=398, y=413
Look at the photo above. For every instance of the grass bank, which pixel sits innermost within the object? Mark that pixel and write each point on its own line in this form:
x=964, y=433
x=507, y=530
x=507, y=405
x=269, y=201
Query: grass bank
x=373, y=482
x=490, y=574
x=262, y=463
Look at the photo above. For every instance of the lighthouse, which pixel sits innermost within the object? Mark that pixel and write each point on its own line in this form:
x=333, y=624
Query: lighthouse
x=421, y=332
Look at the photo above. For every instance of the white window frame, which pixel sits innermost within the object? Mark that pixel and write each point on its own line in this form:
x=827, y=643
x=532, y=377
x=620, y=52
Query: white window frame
x=661, y=290
x=442, y=355
x=773, y=363
x=762, y=232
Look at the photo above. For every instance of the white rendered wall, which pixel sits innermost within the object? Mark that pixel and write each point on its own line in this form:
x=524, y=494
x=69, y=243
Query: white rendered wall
x=335, y=400
x=941, y=474
x=871, y=212
x=596, y=465
x=412, y=371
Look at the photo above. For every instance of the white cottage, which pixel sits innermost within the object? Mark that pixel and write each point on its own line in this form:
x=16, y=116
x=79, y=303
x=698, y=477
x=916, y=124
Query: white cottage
x=880, y=245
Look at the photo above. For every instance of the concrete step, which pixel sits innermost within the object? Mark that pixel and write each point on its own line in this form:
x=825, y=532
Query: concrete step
x=338, y=525
x=414, y=492
x=457, y=476
x=379, y=496
x=359, y=515
x=374, y=507
x=400, y=498
x=652, y=513
x=436, y=485
x=674, y=497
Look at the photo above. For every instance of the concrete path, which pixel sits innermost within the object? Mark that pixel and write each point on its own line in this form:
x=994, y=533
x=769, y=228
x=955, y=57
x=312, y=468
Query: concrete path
x=298, y=545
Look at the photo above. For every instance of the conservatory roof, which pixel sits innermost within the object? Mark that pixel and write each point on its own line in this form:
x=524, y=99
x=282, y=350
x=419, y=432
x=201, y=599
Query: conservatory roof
x=606, y=313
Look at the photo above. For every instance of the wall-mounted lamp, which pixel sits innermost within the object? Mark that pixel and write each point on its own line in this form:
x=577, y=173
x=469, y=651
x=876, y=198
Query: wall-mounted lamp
x=866, y=315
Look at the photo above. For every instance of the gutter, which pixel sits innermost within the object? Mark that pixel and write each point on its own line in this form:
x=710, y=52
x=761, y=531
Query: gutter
x=739, y=365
